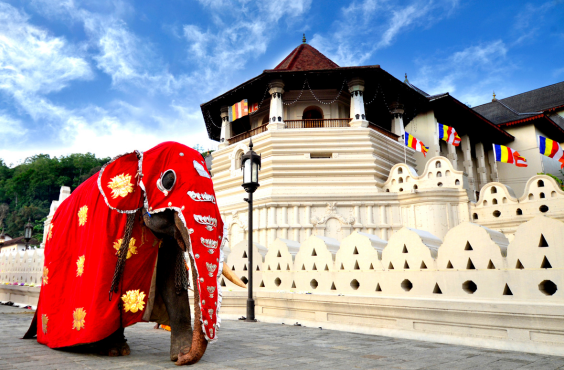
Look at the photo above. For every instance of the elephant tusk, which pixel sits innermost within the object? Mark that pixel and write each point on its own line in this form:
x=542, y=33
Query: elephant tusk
x=232, y=277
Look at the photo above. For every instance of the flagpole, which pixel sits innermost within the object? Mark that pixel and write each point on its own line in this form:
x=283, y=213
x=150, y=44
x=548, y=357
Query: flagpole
x=495, y=164
x=404, y=149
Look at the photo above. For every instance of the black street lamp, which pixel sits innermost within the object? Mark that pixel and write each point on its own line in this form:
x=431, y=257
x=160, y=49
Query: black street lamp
x=250, y=163
x=28, y=228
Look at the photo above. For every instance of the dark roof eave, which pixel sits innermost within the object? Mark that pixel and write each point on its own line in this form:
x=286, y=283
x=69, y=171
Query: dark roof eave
x=473, y=112
x=274, y=71
x=541, y=117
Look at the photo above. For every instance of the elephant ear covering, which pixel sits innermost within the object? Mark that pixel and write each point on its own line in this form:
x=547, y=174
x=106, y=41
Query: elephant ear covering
x=193, y=198
x=118, y=182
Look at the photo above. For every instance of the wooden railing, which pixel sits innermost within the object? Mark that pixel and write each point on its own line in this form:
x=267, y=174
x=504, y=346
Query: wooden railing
x=382, y=131
x=317, y=123
x=248, y=134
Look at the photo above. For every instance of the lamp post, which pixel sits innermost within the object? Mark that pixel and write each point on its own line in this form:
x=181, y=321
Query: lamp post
x=250, y=163
x=28, y=228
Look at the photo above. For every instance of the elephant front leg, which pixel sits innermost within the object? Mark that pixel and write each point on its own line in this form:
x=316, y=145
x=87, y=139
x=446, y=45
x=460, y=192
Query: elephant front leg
x=177, y=305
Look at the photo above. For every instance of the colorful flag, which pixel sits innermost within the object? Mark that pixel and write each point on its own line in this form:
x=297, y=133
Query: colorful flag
x=505, y=154
x=449, y=135
x=416, y=144
x=551, y=149
x=253, y=108
x=238, y=110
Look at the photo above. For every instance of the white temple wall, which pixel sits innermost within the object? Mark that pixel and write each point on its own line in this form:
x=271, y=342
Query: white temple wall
x=500, y=209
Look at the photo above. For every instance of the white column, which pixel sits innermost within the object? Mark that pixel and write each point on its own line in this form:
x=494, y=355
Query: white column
x=468, y=165
x=482, y=170
x=383, y=222
x=272, y=222
x=307, y=222
x=356, y=88
x=357, y=224
x=225, y=128
x=452, y=156
x=397, y=120
x=297, y=223
x=491, y=157
x=284, y=222
x=276, y=117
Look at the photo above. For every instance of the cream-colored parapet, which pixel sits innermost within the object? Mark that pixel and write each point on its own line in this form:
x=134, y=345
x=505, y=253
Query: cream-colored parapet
x=278, y=264
x=499, y=209
x=470, y=246
x=314, y=264
x=239, y=263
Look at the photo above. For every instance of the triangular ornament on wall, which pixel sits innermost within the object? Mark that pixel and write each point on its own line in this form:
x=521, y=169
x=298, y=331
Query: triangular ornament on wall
x=542, y=242
x=545, y=264
x=437, y=289
x=378, y=289
x=507, y=291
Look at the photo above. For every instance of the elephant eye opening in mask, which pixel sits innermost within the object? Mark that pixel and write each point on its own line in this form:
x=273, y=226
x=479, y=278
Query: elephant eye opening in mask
x=167, y=181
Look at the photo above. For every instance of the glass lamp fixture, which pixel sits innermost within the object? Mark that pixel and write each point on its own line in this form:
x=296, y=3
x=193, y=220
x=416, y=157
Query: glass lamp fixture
x=28, y=229
x=251, y=163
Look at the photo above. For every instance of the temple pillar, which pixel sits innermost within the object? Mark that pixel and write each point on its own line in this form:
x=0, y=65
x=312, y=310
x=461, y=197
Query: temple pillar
x=225, y=128
x=358, y=116
x=276, y=121
x=452, y=156
x=491, y=158
x=467, y=161
x=482, y=169
x=397, y=120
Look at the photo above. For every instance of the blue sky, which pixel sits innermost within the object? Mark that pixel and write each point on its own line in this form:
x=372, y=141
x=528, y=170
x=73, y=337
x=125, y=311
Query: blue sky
x=112, y=76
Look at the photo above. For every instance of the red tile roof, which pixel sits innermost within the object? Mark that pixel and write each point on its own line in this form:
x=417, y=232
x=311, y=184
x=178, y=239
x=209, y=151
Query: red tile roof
x=306, y=58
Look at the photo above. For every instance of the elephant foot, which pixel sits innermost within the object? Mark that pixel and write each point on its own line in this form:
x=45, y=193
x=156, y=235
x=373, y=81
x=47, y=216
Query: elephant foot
x=179, y=341
x=115, y=350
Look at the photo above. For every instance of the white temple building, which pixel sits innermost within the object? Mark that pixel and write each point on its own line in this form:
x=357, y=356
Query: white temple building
x=333, y=160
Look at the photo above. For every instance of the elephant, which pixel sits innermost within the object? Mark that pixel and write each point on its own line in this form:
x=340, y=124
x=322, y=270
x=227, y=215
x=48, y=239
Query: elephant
x=115, y=256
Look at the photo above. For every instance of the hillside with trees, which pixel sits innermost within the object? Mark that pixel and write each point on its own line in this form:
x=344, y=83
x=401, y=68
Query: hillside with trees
x=26, y=190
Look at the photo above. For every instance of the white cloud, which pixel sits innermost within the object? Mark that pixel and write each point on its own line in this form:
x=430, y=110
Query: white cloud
x=470, y=74
x=34, y=61
x=229, y=47
x=366, y=26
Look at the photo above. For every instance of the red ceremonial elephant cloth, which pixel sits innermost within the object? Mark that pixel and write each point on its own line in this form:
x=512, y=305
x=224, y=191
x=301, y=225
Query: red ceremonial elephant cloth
x=85, y=235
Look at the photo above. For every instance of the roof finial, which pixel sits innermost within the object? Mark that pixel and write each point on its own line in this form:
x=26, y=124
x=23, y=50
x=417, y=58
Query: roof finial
x=405, y=78
x=304, y=39
x=494, y=99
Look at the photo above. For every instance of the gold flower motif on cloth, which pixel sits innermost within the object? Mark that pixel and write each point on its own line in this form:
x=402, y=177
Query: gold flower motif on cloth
x=44, y=320
x=78, y=318
x=131, y=249
x=45, y=275
x=82, y=215
x=50, y=231
x=121, y=185
x=133, y=301
x=80, y=265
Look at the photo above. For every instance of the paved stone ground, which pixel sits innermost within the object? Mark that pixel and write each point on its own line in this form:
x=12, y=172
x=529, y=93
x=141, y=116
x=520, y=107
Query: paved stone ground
x=263, y=346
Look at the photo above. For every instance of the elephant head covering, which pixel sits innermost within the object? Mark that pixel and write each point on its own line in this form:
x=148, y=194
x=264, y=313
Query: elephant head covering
x=87, y=230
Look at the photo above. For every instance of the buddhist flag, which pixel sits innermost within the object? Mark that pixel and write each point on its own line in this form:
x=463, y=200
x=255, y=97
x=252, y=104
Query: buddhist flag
x=449, y=135
x=253, y=108
x=551, y=149
x=416, y=144
x=238, y=110
x=505, y=154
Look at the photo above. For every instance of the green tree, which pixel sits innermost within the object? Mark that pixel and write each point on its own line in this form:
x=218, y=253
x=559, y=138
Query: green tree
x=28, y=189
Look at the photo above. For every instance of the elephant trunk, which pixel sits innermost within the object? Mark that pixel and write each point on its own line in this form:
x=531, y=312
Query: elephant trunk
x=199, y=341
